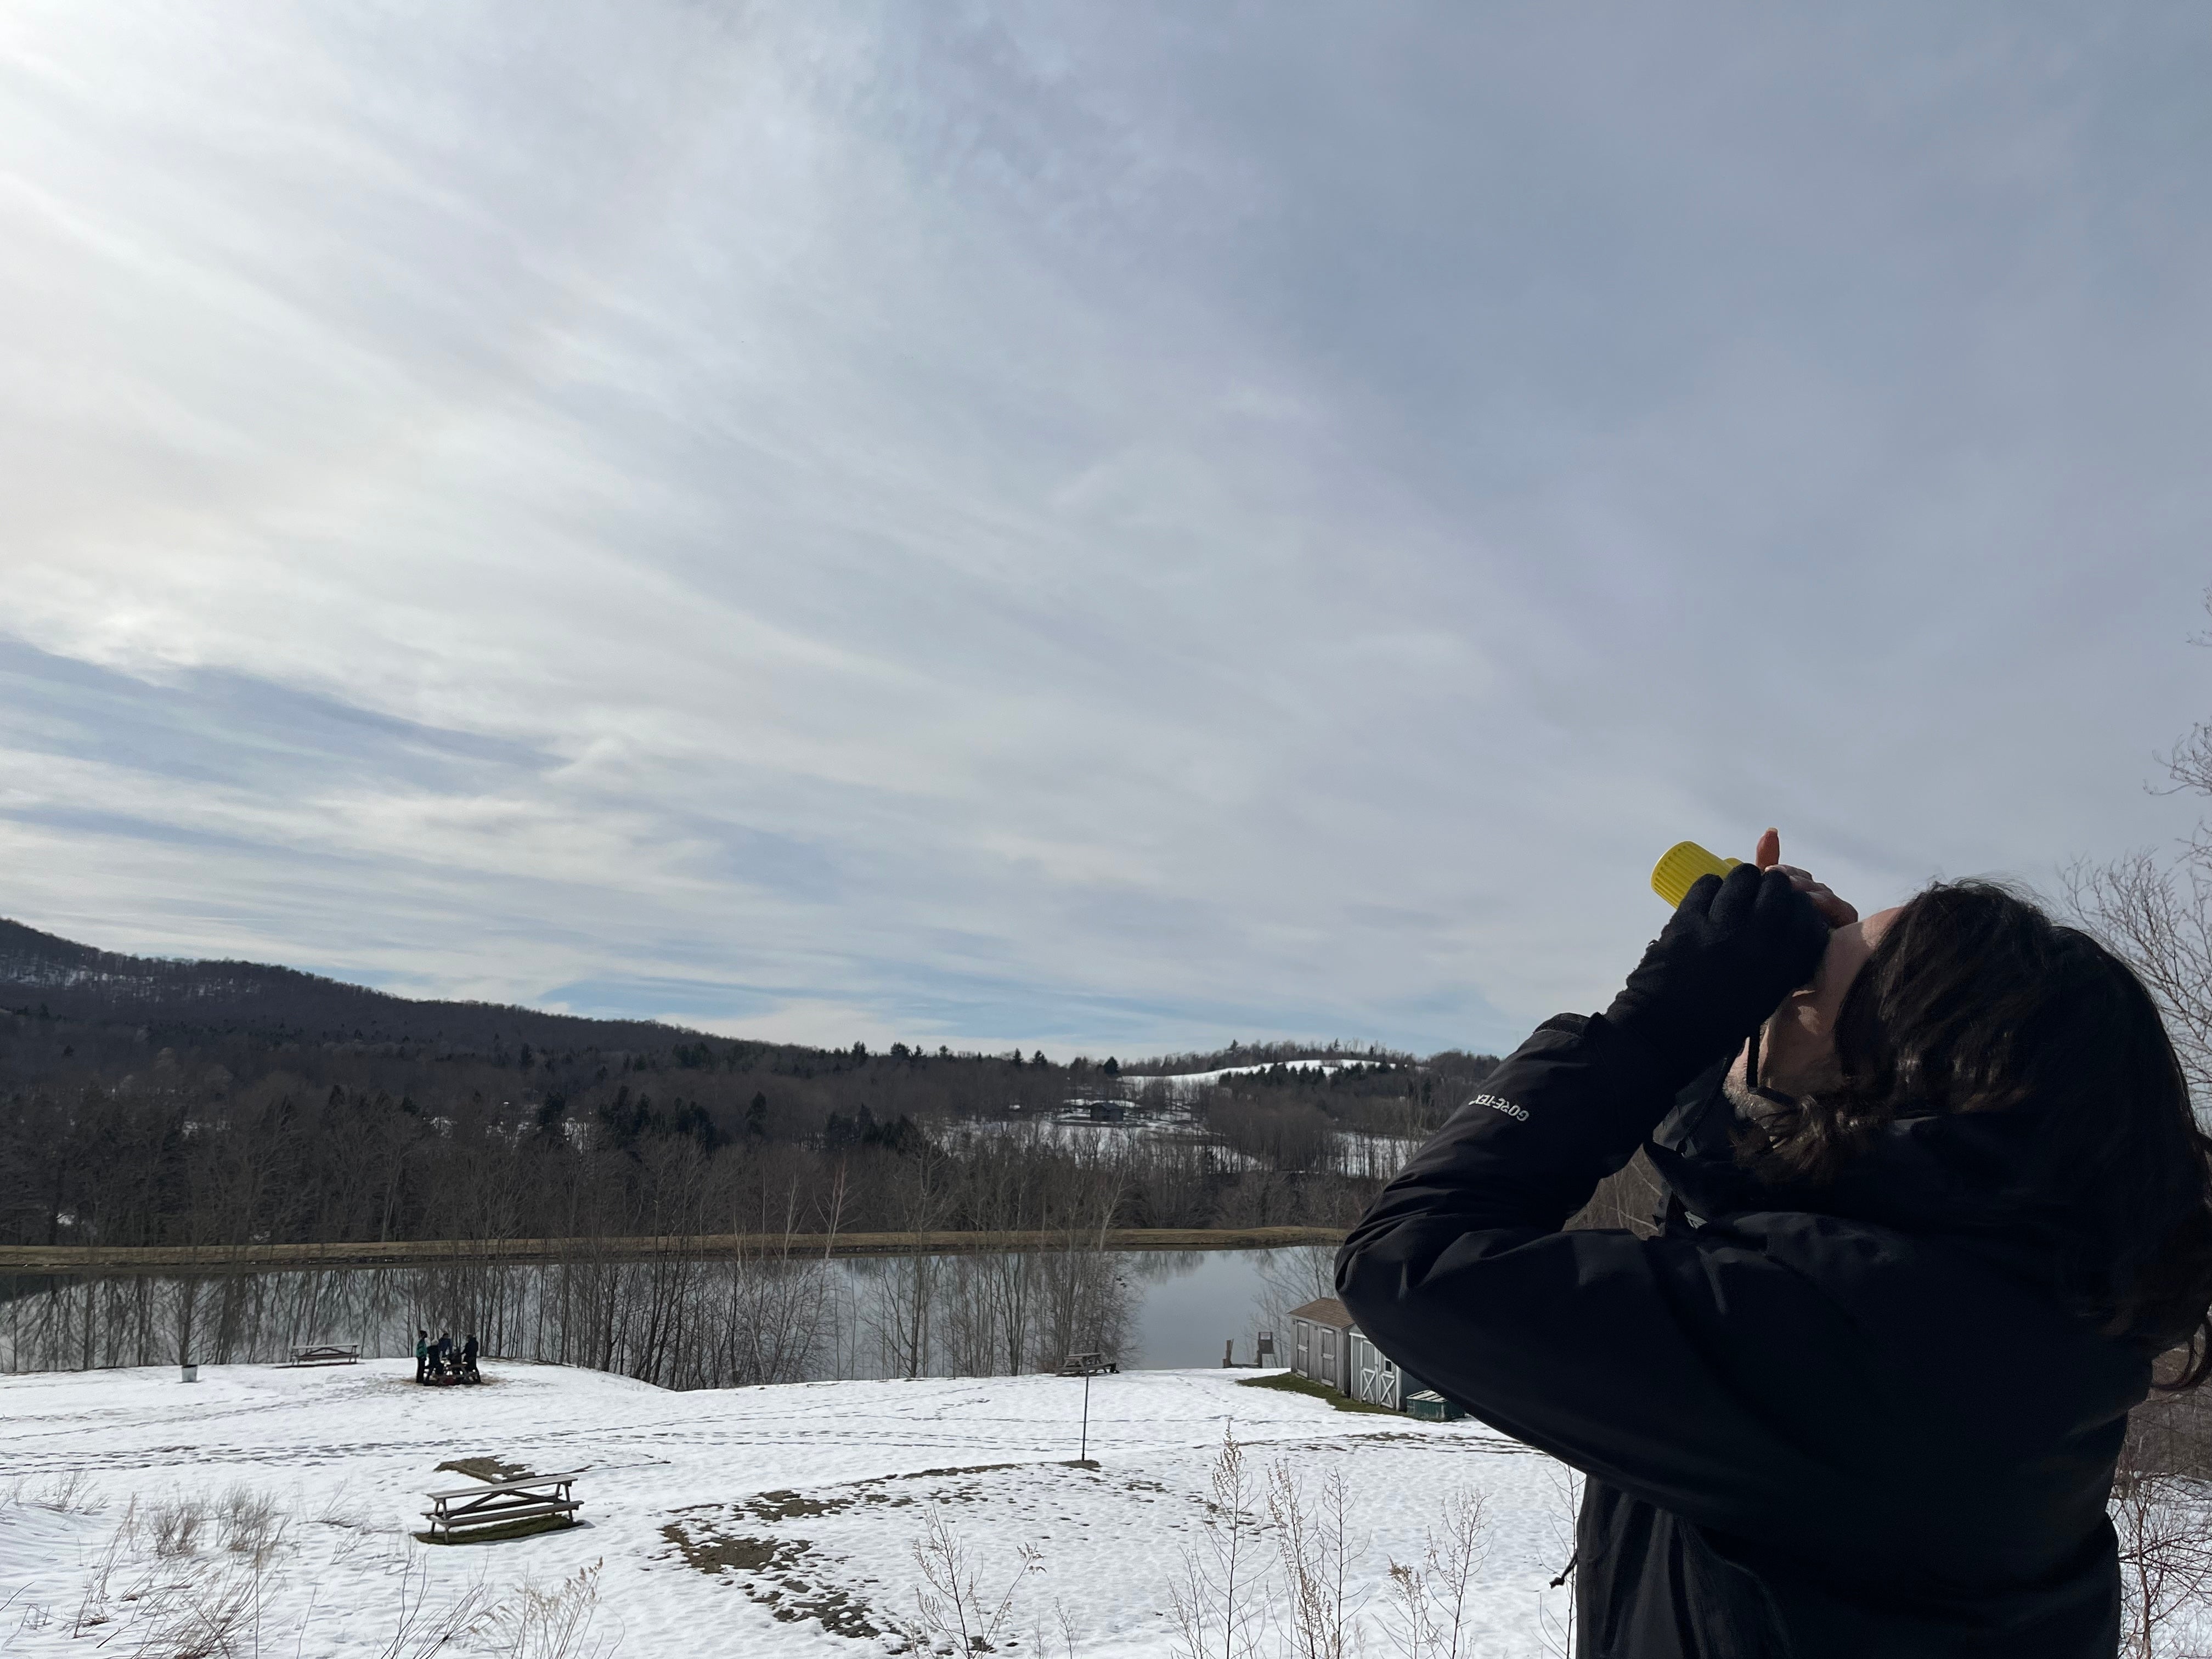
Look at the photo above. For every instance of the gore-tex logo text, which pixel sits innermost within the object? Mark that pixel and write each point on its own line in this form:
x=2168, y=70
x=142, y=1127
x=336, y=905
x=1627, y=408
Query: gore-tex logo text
x=1498, y=1105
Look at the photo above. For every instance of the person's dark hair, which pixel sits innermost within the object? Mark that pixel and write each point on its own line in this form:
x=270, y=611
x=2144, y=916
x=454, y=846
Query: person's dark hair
x=1975, y=1001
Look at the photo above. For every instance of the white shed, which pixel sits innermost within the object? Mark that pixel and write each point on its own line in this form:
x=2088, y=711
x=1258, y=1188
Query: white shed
x=1375, y=1377
x=1322, y=1336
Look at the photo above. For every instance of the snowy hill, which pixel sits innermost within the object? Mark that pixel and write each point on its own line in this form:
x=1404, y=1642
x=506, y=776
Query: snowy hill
x=724, y=1523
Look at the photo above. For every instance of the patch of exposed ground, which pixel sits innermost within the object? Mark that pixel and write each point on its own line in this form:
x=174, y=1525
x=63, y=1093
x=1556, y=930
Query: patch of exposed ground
x=796, y=1579
x=776, y=1572
x=490, y=1469
x=409, y=1385
x=786, y=1504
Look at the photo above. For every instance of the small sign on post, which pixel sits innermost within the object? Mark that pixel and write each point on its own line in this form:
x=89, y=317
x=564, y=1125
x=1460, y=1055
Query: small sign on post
x=1086, y=1366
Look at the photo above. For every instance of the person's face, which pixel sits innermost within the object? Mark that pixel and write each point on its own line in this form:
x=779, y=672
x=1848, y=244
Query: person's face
x=1797, y=1045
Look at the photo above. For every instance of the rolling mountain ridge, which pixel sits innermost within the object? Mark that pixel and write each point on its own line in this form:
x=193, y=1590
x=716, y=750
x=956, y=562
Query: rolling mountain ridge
x=80, y=982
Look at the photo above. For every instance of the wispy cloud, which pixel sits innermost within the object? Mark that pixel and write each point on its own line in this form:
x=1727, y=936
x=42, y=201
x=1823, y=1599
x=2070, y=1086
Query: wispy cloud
x=1106, y=528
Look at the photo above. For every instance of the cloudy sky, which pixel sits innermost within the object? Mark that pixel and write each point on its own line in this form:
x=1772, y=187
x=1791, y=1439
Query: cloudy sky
x=1106, y=527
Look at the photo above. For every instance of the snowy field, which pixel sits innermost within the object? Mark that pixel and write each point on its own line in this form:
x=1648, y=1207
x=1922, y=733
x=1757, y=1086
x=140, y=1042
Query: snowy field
x=764, y=1522
x=1190, y=1083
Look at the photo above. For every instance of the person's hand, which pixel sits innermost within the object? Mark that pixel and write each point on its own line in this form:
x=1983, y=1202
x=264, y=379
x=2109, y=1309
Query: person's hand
x=1838, y=913
x=1736, y=946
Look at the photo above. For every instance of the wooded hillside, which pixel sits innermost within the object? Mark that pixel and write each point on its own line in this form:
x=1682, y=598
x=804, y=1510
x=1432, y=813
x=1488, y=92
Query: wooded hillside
x=154, y=1103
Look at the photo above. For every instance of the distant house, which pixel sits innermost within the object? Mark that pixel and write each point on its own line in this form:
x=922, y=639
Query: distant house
x=1095, y=1111
x=1328, y=1347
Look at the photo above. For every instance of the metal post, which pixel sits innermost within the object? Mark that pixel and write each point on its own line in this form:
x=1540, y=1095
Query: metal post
x=1086, y=1366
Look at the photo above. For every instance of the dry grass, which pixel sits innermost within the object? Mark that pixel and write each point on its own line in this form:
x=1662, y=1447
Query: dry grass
x=193, y=1576
x=247, y=1524
x=176, y=1528
x=555, y=1624
x=1277, y=1569
x=66, y=1492
x=1290, y=1382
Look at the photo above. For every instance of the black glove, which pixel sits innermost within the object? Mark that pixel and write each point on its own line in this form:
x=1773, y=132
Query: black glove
x=1737, y=945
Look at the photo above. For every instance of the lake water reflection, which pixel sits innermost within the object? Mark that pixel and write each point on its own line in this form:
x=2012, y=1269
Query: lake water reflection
x=688, y=1321
x=1189, y=1305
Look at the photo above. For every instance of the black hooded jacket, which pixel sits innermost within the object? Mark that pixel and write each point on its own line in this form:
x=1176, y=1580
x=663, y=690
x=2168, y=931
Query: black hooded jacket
x=1861, y=1425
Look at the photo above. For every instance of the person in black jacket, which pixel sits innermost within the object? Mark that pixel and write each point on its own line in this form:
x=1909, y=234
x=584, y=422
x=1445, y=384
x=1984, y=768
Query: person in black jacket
x=1937, y=1202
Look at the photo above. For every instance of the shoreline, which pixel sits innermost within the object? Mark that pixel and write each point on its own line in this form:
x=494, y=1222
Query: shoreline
x=88, y=1259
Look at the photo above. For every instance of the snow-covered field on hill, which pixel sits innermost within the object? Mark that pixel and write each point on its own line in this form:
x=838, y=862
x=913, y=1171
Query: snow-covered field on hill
x=708, y=1513
x=1189, y=1083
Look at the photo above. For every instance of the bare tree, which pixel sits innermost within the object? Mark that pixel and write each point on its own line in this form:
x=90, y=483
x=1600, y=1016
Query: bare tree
x=2157, y=912
x=188, y=1297
x=2161, y=1510
x=952, y=1607
x=1314, y=1540
x=1429, y=1612
x=903, y=1310
x=1216, y=1600
x=2165, y=1527
x=1557, y=1629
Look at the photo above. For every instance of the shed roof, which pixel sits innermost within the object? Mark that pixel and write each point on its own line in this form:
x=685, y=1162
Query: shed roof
x=1324, y=1310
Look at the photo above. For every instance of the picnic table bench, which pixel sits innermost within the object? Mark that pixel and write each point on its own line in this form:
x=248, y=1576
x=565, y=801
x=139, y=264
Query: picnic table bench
x=327, y=1354
x=526, y=1498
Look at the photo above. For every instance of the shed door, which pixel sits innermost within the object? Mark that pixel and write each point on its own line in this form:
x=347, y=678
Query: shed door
x=1326, y=1371
x=1301, y=1355
x=1376, y=1377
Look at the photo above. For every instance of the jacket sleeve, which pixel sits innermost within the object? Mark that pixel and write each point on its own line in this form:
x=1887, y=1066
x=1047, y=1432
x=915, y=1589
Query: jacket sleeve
x=1688, y=1370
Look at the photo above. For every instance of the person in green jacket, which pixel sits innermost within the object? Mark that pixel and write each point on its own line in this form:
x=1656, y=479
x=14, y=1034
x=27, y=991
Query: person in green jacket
x=421, y=1353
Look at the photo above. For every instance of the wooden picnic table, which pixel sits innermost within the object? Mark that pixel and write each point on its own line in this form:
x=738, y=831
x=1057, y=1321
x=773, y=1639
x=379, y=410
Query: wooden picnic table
x=526, y=1498
x=327, y=1354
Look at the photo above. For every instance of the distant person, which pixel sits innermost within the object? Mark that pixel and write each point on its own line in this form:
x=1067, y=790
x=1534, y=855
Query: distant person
x=445, y=1351
x=1936, y=1203
x=469, y=1358
x=421, y=1354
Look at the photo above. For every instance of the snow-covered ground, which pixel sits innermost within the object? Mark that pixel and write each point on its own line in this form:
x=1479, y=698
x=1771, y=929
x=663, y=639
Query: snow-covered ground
x=708, y=1514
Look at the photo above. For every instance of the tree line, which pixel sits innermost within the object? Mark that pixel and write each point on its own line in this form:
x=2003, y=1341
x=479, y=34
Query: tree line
x=121, y=1133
